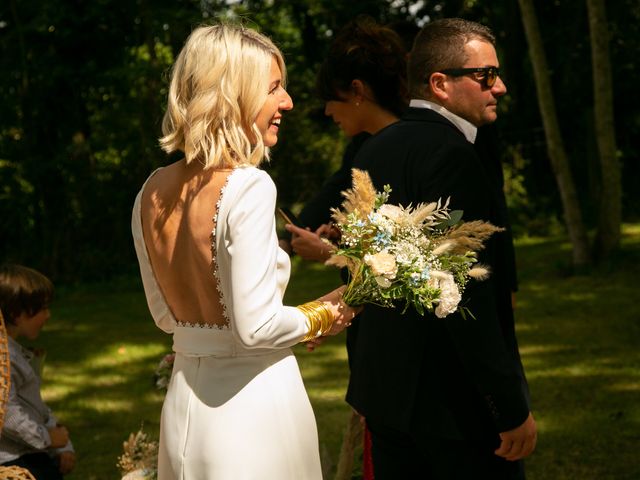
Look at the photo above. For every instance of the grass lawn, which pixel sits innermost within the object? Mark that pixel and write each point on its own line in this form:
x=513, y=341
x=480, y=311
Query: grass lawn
x=579, y=336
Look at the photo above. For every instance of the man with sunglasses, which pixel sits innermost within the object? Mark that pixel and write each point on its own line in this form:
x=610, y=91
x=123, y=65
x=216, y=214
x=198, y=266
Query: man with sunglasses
x=445, y=399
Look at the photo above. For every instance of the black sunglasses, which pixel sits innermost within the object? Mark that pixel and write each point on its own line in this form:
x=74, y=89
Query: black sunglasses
x=485, y=75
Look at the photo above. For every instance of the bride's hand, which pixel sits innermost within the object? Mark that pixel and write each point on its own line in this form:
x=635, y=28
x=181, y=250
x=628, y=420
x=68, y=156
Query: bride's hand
x=343, y=314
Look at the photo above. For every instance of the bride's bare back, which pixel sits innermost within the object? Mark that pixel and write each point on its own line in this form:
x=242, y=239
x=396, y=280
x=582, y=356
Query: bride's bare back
x=177, y=211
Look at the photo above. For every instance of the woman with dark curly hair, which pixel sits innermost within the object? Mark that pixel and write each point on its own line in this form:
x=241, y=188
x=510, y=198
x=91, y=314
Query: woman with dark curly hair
x=363, y=83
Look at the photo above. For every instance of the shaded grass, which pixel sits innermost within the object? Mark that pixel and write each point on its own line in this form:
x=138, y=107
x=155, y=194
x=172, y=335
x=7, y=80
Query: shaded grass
x=579, y=337
x=102, y=348
x=580, y=340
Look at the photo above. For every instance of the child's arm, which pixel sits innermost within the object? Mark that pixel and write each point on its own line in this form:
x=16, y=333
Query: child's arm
x=28, y=420
x=59, y=437
x=67, y=462
x=66, y=454
x=53, y=426
x=19, y=427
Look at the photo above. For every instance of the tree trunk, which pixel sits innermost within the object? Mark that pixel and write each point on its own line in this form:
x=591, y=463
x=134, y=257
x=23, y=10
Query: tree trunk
x=610, y=202
x=555, y=145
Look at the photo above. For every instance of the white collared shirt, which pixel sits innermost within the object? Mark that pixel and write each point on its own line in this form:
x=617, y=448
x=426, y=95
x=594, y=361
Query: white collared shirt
x=468, y=129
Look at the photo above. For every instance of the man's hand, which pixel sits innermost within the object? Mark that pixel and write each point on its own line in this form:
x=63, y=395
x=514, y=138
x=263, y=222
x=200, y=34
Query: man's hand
x=67, y=462
x=520, y=442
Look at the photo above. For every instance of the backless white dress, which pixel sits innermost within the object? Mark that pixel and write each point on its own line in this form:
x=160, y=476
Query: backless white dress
x=236, y=407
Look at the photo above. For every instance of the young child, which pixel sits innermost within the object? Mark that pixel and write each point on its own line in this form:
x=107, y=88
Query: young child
x=31, y=437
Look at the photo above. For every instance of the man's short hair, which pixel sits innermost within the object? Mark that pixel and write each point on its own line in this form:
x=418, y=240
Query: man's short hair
x=440, y=45
x=23, y=290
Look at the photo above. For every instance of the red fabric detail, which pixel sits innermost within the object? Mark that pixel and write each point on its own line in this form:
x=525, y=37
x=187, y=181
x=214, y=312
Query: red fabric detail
x=367, y=457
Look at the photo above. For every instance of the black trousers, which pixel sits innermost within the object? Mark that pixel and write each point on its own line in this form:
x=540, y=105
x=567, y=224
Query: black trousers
x=40, y=465
x=400, y=456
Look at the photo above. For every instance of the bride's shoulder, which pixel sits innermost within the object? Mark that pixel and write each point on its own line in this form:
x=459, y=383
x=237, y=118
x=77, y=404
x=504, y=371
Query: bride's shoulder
x=251, y=177
x=250, y=185
x=162, y=174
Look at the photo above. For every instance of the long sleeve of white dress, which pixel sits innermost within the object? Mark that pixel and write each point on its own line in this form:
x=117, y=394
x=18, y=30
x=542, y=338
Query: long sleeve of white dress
x=257, y=280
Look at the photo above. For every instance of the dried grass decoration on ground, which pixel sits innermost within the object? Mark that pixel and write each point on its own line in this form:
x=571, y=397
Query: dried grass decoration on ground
x=140, y=457
x=421, y=257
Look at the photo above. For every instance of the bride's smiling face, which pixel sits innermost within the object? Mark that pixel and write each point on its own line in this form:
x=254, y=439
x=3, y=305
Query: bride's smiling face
x=278, y=100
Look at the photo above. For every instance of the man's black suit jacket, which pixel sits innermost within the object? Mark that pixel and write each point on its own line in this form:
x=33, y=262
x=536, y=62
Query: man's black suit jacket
x=451, y=378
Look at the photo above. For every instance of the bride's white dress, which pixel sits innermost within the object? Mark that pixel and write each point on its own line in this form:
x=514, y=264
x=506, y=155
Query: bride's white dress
x=236, y=407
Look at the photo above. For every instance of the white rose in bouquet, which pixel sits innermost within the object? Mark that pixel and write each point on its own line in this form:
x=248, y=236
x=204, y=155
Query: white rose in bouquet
x=382, y=264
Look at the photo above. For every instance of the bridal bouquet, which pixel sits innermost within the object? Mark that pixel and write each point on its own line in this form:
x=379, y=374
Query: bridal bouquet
x=421, y=256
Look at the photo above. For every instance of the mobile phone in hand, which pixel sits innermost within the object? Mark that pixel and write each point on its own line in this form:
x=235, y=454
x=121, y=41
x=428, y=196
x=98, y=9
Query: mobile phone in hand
x=288, y=216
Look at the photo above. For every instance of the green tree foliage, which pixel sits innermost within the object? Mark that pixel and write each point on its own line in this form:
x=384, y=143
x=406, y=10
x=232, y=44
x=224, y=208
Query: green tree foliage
x=82, y=91
x=83, y=87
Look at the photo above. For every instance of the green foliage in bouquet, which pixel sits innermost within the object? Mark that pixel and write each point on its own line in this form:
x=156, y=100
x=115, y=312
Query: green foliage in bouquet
x=421, y=257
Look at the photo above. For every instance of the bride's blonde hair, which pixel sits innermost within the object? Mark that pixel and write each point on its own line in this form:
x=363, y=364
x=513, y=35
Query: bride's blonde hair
x=219, y=83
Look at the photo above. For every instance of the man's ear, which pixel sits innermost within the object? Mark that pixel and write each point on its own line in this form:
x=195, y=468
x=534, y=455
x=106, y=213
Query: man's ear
x=438, y=84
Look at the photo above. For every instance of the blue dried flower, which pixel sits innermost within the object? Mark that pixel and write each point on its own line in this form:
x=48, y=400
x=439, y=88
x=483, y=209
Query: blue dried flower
x=382, y=239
